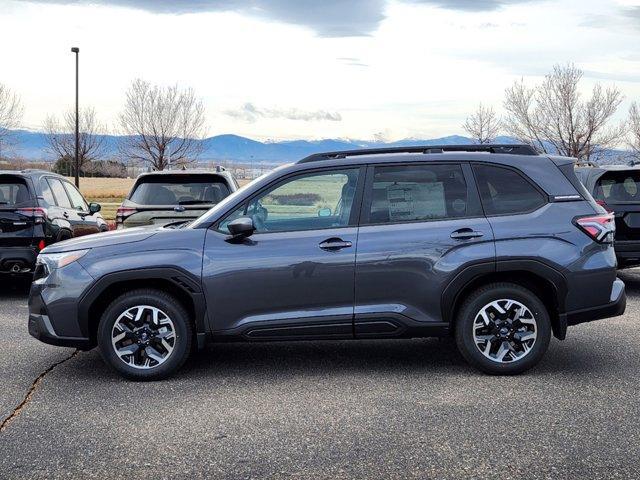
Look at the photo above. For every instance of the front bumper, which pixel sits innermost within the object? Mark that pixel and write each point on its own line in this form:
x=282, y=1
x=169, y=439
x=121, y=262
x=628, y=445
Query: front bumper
x=614, y=308
x=40, y=327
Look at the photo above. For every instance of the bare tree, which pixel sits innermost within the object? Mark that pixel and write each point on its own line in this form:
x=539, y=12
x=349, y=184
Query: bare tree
x=483, y=125
x=11, y=111
x=62, y=140
x=554, y=118
x=634, y=130
x=161, y=125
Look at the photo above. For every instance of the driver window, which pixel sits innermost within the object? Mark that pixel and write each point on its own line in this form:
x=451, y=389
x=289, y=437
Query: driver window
x=308, y=202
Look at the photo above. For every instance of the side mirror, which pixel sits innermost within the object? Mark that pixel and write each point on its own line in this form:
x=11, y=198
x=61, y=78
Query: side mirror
x=241, y=227
x=94, y=208
x=324, y=212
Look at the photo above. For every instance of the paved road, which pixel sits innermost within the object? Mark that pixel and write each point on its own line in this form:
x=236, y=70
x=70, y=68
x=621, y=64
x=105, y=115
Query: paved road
x=329, y=410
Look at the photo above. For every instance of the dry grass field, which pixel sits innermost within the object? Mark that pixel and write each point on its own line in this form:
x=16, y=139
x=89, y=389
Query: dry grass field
x=109, y=192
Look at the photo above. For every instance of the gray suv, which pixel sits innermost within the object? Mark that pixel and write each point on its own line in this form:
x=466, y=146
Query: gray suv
x=494, y=245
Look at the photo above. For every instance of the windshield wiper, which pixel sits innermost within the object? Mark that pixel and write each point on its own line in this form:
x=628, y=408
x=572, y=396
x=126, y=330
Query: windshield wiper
x=195, y=202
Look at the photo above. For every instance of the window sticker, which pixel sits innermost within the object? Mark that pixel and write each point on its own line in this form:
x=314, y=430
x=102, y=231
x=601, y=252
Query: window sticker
x=416, y=201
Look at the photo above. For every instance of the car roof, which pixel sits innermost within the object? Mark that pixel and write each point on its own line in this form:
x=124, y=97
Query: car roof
x=194, y=171
x=30, y=173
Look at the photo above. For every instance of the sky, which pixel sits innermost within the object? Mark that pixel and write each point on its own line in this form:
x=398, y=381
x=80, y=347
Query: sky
x=294, y=69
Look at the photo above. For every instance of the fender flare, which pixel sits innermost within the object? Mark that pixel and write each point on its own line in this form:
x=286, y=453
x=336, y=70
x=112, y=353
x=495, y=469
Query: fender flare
x=451, y=293
x=184, y=281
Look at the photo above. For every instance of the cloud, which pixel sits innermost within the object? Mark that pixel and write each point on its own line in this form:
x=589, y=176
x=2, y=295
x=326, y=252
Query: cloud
x=251, y=113
x=352, y=61
x=633, y=13
x=328, y=18
x=470, y=5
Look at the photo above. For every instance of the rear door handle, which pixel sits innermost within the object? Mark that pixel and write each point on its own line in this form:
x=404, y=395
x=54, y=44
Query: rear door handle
x=466, y=234
x=331, y=244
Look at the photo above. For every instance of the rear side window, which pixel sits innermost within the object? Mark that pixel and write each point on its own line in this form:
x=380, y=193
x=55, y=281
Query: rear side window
x=59, y=193
x=408, y=193
x=180, y=190
x=13, y=192
x=619, y=187
x=47, y=194
x=506, y=192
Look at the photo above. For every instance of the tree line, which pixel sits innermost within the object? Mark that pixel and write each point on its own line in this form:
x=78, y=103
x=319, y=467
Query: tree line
x=157, y=127
x=555, y=118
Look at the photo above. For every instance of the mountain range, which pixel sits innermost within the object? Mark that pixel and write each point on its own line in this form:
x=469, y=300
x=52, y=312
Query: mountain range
x=234, y=148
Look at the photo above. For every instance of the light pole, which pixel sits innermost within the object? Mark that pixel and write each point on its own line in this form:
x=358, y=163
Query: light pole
x=76, y=50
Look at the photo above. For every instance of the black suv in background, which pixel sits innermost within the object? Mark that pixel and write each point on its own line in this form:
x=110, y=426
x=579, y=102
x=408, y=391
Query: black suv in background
x=169, y=196
x=617, y=189
x=38, y=208
x=494, y=245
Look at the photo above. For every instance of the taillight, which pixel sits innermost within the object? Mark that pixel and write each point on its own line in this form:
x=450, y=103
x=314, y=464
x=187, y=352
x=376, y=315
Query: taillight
x=38, y=214
x=601, y=228
x=122, y=213
x=603, y=204
x=41, y=245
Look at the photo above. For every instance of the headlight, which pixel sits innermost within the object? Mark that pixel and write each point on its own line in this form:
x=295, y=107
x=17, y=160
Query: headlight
x=59, y=260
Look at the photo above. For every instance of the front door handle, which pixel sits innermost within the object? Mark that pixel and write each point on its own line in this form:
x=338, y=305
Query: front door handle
x=332, y=244
x=65, y=215
x=466, y=234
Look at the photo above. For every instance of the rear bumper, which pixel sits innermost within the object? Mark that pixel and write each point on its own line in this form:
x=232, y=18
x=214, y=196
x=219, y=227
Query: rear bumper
x=614, y=308
x=23, y=257
x=627, y=252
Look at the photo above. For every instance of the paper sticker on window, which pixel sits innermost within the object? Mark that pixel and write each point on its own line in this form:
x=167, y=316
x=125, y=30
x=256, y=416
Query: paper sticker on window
x=416, y=201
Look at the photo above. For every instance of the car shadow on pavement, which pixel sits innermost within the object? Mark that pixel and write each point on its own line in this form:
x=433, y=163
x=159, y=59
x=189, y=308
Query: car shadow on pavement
x=278, y=361
x=631, y=279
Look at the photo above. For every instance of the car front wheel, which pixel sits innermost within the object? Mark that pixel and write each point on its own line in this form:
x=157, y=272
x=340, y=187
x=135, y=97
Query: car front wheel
x=503, y=329
x=145, y=335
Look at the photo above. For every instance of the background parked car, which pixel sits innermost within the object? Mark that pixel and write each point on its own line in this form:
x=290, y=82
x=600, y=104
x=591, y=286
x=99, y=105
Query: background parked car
x=617, y=188
x=158, y=198
x=38, y=208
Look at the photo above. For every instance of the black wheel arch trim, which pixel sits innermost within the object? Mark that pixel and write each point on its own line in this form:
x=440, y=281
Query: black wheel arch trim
x=182, y=279
x=451, y=293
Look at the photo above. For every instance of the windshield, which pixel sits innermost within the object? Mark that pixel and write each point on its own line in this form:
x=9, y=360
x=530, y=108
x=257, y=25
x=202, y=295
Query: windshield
x=180, y=190
x=619, y=187
x=13, y=193
x=232, y=199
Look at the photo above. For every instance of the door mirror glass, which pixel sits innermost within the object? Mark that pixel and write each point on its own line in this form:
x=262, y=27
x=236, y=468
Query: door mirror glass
x=94, y=208
x=324, y=212
x=241, y=227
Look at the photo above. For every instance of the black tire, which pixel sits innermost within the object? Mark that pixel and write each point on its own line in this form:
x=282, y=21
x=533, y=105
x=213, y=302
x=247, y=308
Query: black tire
x=167, y=304
x=471, y=308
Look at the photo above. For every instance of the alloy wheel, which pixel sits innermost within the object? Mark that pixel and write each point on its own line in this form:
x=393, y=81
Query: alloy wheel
x=143, y=337
x=505, y=331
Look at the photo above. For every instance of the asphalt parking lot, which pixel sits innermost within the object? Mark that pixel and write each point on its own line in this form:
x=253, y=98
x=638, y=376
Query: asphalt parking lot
x=386, y=409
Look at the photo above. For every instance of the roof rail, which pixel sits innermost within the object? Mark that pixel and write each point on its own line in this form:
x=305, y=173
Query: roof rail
x=515, y=149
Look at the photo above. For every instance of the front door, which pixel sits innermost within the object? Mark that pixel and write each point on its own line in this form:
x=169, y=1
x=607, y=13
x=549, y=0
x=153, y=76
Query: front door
x=293, y=278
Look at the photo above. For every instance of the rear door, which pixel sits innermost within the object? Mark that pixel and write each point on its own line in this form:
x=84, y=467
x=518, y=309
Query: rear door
x=16, y=228
x=420, y=225
x=70, y=217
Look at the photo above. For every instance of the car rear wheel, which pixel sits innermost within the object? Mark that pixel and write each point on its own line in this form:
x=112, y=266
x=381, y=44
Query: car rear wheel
x=503, y=329
x=145, y=335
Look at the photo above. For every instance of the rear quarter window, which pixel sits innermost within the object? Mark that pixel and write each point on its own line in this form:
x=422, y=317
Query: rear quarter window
x=506, y=192
x=14, y=192
x=180, y=190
